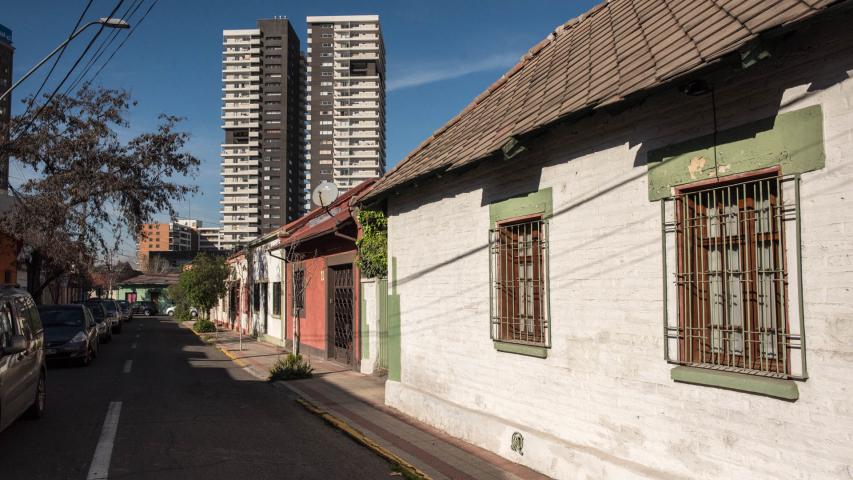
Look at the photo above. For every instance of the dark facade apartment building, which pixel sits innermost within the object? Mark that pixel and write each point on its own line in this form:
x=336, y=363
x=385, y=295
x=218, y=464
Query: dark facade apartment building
x=6, y=53
x=263, y=118
x=346, y=97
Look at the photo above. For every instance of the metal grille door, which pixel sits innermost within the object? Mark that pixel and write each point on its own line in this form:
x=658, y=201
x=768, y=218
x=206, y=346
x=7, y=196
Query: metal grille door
x=342, y=308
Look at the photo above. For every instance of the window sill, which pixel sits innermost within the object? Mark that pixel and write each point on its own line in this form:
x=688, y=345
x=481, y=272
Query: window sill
x=521, y=349
x=770, y=387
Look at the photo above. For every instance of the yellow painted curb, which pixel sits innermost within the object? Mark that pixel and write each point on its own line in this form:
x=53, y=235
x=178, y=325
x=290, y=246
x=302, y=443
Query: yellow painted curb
x=355, y=434
x=223, y=350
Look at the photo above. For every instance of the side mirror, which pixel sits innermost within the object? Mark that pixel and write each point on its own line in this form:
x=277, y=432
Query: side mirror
x=17, y=345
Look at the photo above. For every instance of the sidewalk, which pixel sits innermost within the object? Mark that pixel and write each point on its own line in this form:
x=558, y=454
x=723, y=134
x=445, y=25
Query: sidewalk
x=354, y=403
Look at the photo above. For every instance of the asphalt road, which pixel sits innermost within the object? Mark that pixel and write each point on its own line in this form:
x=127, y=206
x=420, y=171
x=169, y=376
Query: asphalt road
x=176, y=409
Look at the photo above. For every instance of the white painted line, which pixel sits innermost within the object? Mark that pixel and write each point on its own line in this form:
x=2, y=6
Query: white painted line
x=133, y=345
x=127, y=365
x=100, y=466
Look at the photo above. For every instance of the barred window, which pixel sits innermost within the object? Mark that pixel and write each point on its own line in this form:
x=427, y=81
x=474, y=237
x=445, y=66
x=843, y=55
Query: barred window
x=276, y=298
x=256, y=297
x=731, y=279
x=298, y=291
x=519, y=282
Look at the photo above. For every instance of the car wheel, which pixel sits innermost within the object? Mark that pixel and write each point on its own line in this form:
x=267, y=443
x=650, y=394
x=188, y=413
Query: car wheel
x=36, y=410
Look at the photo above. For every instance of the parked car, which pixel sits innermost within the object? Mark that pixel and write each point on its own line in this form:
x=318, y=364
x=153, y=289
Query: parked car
x=125, y=307
x=103, y=322
x=22, y=365
x=145, y=307
x=70, y=333
x=113, y=310
x=170, y=311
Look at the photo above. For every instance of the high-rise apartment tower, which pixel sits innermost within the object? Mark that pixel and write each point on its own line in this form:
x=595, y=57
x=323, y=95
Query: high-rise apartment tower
x=346, y=101
x=263, y=117
x=6, y=53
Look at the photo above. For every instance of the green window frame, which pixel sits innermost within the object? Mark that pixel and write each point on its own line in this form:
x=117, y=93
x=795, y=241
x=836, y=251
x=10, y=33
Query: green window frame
x=729, y=305
x=519, y=314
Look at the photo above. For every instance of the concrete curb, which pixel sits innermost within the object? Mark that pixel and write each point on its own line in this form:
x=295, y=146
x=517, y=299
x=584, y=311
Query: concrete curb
x=361, y=438
x=227, y=353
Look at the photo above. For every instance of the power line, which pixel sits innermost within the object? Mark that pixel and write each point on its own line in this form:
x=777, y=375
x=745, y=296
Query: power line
x=67, y=75
x=132, y=29
x=104, y=46
x=58, y=58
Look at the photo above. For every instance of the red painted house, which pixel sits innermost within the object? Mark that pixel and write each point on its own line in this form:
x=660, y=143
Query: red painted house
x=301, y=284
x=322, y=280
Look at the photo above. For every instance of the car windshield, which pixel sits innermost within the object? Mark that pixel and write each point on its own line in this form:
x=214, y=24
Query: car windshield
x=64, y=317
x=110, y=306
x=97, y=311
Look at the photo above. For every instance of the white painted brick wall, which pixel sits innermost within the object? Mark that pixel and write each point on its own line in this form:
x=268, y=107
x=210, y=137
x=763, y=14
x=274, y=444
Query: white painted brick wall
x=602, y=405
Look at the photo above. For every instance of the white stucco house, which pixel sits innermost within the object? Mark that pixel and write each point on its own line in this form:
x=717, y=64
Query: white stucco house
x=631, y=257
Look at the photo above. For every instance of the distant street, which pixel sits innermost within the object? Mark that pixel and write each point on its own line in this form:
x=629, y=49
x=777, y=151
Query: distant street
x=178, y=409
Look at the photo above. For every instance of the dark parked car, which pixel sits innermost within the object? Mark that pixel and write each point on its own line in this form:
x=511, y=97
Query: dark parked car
x=113, y=310
x=145, y=307
x=70, y=333
x=22, y=365
x=125, y=307
x=103, y=322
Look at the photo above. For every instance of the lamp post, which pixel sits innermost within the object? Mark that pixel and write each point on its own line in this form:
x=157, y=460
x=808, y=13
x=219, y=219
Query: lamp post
x=104, y=22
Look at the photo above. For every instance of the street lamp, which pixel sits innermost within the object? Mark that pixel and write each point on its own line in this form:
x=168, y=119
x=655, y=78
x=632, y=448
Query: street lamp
x=104, y=22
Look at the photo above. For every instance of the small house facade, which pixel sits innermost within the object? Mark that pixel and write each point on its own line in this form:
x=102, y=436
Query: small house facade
x=299, y=285
x=629, y=258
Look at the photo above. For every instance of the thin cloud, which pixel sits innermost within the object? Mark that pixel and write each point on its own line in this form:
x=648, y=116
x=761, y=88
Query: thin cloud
x=425, y=73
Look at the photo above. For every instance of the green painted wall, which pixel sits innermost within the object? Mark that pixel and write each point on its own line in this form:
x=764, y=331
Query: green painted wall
x=142, y=293
x=792, y=140
x=536, y=202
x=382, y=301
x=364, y=332
x=393, y=305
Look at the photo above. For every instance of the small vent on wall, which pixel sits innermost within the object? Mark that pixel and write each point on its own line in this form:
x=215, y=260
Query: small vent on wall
x=517, y=443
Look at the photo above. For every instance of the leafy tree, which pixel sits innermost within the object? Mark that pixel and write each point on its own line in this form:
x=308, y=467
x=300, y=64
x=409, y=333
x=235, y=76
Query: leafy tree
x=373, y=244
x=86, y=181
x=203, y=283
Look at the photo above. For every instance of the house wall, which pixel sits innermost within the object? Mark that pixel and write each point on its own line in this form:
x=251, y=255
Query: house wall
x=603, y=404
x=312, y=321
x=275, y=323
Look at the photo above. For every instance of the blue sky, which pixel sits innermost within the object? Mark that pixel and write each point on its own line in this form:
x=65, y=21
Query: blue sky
x=440, y=55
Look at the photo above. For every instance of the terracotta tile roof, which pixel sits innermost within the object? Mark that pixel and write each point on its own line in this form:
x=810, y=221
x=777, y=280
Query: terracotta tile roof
x=616, y=49
x=151, y=279
x=317, y=222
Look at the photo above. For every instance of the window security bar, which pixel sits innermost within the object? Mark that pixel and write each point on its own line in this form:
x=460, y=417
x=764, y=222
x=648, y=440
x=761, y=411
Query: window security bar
x=732, y=300
x=518, y=271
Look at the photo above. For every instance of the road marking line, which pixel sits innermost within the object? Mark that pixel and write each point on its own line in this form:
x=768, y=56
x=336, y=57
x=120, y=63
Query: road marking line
x=127, y=366
x=99, y=469
x=134, y=345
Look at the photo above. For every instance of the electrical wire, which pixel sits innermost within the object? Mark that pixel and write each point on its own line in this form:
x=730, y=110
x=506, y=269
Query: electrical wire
x=132, y=29
x=56, y=61
x=104, y=46
x=65, y=78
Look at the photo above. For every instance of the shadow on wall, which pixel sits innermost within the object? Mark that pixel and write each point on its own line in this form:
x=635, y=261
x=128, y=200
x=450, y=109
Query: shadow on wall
x=660, y=118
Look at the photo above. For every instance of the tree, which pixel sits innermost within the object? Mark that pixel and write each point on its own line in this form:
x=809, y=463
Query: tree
x=86, y=181
x=203, y=283
x=373, y=244
x=156, y=264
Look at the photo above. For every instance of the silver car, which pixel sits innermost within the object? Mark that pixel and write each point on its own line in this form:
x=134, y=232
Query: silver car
x=22, y=364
